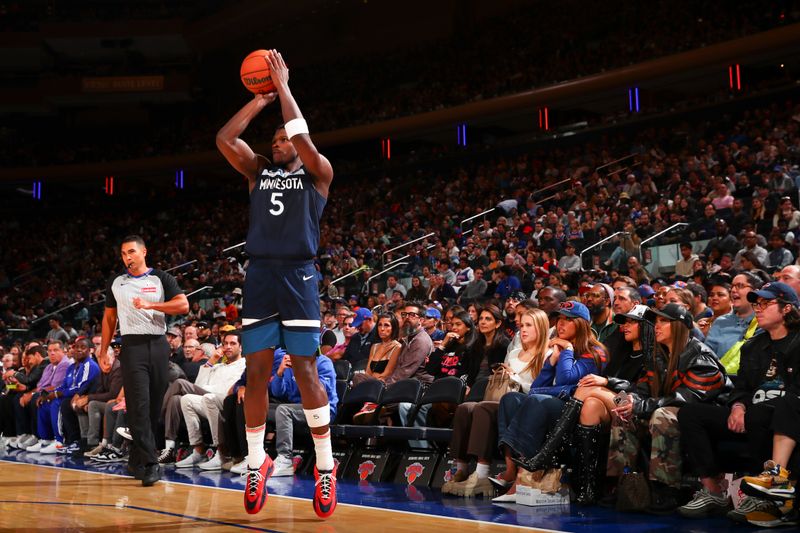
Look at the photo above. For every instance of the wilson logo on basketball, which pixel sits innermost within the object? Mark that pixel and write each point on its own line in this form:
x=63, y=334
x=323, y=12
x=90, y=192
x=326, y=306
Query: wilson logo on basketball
x=365, y=470
x=413, y=471
x=254, y=80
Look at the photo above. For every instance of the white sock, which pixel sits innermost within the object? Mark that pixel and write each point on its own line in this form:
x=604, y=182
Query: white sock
x=255, y=446
x=169, y=444
x=482, y=471
x=103, y=443
x=324, y=449
x=461, y=466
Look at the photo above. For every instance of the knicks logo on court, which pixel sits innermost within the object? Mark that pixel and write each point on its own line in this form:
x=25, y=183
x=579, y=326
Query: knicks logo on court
x=365, y=470
x=413, y=471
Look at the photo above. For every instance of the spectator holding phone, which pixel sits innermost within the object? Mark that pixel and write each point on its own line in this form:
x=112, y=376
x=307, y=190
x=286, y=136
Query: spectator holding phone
x=680, y=370
x=596, y=398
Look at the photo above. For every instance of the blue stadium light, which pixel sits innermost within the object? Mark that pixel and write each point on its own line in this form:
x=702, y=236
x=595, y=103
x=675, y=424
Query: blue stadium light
x=461, y=134
x=179, y=179
x=633, y=99
x=37, y=190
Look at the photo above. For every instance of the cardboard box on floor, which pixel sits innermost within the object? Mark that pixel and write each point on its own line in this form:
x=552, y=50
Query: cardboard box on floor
x=543, y=487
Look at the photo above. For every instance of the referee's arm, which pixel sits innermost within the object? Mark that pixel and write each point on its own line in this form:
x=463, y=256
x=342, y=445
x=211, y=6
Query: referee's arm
x=109, y=325
x=178, y=305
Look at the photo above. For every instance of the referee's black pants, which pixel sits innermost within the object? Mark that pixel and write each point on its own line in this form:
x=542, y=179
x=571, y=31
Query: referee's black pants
x=145, y=364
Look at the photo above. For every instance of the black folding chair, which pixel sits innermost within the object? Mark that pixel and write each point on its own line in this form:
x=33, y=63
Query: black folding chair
x=405, y=390
x=477, y=391
x=445, y=390
x=344, y=370
x=370, y=391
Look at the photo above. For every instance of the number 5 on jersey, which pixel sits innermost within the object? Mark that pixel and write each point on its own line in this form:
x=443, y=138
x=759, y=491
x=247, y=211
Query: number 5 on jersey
x=275, y=200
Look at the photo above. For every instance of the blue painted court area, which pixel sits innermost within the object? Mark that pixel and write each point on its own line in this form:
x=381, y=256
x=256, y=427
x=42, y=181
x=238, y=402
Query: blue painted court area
x=423, y=501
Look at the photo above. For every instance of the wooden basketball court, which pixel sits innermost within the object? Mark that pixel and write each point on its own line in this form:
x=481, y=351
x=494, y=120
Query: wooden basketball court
x=42, y=498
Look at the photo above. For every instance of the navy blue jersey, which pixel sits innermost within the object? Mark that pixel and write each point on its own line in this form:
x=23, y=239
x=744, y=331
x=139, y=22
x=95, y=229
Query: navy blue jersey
x=285, y=210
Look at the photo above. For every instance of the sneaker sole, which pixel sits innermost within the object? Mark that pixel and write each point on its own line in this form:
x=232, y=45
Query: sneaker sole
x=703, y=512
x=769, y=493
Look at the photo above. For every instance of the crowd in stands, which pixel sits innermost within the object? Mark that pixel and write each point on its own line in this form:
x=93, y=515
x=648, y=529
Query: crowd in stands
x=753, y=156
x=503, y=57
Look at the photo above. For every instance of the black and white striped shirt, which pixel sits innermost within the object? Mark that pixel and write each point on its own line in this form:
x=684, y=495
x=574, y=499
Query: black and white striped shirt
x=152, y=286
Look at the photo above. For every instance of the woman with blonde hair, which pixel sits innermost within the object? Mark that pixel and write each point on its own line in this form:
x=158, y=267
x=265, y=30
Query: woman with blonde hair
x=475, y=423
x=575, y=353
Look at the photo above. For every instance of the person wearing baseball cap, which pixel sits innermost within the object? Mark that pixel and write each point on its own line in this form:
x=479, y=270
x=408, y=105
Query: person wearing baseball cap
x=510, y=311
x=597, y=393
x=359, y=346
x=431, y=321
x=763, y=402
x=680, y=370
x=175, y=340
x=549, y=407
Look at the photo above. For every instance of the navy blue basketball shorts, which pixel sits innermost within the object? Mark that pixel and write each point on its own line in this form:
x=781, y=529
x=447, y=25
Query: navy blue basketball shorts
x=280, y=307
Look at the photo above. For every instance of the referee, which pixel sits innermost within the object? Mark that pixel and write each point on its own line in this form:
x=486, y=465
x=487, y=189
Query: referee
x=140, y=298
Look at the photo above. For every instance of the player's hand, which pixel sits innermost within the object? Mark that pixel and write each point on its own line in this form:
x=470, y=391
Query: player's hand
x=240, y=394
x=278, y=69
x=138, y=303
x=264, y=100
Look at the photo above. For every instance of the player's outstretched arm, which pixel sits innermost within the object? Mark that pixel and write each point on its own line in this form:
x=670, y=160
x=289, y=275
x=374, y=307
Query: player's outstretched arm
x=317, y=163
x=236, y=151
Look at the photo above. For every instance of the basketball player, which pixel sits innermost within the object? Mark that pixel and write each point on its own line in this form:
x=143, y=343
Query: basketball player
x=281, y=302
x=140, y=298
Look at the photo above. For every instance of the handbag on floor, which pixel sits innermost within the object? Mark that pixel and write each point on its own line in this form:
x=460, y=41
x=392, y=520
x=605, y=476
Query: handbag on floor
x=633, y=492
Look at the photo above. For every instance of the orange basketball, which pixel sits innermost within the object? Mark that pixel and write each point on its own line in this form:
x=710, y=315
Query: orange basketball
x=255, y=73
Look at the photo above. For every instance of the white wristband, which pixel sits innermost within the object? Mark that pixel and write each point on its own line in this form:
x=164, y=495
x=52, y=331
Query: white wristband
x=296, y=126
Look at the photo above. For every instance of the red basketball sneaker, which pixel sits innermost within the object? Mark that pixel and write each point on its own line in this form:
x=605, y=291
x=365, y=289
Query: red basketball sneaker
x=325, y=492
x=255, y=486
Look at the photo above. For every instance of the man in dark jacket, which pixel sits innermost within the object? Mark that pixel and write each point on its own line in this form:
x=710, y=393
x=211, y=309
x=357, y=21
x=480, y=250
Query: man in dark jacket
x=766, y=373
x=18, y=382
x=25, y=413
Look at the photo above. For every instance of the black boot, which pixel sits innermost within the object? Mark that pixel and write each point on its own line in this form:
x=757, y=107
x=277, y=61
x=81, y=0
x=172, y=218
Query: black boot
x=549, y=455
x=589, y=446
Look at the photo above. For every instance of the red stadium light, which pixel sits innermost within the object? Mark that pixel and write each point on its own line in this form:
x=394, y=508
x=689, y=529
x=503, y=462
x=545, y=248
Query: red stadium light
x=735, y=77
x=544, y=119
x=386, y=148
x=110, y=185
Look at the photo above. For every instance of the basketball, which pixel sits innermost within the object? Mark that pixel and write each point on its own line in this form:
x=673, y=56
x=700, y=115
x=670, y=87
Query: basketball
x=255, y=73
